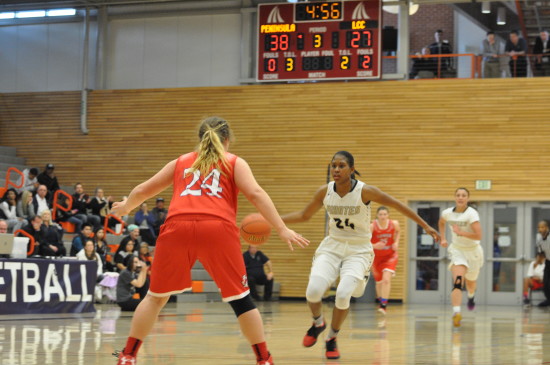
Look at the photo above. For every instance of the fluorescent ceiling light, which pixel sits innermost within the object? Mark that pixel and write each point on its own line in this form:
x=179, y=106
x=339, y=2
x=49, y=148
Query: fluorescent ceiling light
x=61, y=12
x=30, y=14
x=501, y=16
x=7, y=15
x=486, y=7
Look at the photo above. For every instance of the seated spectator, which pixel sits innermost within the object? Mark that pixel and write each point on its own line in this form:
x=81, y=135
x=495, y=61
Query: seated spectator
x=542, y=50
x=516, y=48
x=80, y=239
x=40, y=201
x=491, y=60
x=100, y=206
x=424, y=67
x=48, y=179
x=70, y=215
x=124, y=250
x=131, y=280
x=535, y=273
x=24, y=205
x=8, y=210
x=81, y=202
x=34, y=228
x=159, y=214
x=145, y=254
x=254, y=261
x=145, y=221
x=89, y=253
x=102, y=248
x=52, y=241
x=30, y=183
x=133, y=235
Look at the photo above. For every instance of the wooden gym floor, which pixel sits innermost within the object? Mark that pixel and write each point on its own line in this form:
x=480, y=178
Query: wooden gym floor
x=207, y=333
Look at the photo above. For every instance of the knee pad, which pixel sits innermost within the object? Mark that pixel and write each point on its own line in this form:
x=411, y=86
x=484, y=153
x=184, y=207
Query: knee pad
x=458, y=283
x=345, y=289
x=242, y=305
x=316, y=287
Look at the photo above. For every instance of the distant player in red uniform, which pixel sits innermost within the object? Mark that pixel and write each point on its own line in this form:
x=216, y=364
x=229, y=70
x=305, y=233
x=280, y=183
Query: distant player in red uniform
x=201, y=224
x=385, y=241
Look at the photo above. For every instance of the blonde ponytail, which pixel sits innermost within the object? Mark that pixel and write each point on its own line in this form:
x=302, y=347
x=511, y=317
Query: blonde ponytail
x=213, y=132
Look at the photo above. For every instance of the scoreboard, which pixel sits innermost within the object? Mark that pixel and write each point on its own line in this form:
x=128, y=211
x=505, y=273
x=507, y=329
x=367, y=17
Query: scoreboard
x=327, y=40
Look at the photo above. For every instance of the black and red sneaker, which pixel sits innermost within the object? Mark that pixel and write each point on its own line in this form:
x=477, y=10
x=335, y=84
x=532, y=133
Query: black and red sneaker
x=266, y=362
x=312, y=333
x=332, y=350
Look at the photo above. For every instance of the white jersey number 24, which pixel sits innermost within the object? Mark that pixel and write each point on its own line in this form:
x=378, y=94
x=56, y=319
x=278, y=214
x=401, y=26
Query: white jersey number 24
x=212, y=189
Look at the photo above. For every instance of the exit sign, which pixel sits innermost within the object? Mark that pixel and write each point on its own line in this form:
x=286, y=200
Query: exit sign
x=483, y=184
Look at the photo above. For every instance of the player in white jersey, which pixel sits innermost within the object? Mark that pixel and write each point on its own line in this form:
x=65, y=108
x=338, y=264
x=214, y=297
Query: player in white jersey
x=347, y=251
x=465, y=251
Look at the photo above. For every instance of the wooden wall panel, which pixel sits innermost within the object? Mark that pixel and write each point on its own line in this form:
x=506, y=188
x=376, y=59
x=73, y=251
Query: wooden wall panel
x=415, y=140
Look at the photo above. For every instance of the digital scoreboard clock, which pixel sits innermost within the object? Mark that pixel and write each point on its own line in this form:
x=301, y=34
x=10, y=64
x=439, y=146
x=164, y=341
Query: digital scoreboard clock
x=328, y=40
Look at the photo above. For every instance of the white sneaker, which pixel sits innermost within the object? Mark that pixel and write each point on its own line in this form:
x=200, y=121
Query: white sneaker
x=360, y=288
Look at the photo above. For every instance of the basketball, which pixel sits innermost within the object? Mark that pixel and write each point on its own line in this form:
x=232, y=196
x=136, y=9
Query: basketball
x=255, y=229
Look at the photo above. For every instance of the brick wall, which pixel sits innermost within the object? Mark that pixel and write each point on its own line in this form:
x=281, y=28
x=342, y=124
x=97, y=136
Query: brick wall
x=424, y=23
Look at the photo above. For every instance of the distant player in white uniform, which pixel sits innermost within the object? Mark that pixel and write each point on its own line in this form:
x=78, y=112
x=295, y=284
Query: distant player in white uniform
x=465, y=251
x=347, y=251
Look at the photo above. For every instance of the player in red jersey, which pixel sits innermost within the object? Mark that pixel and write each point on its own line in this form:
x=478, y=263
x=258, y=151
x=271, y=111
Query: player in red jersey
x=385, y=241
x=201, y=224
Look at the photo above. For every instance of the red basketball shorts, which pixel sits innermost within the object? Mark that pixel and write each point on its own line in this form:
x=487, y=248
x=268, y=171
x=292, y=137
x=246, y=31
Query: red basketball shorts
x=537, y=284
x=212, y=241
x=383, y=262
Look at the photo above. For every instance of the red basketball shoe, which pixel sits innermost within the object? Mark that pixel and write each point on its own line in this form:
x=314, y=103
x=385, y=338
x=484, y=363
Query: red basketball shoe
x=312, y=333
x=266, y=362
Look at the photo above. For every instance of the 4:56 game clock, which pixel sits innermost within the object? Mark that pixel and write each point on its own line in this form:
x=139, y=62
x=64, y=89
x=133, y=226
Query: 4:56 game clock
x=319, y=40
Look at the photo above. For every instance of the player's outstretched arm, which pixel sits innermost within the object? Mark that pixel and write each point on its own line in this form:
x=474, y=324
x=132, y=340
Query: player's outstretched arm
x=441, y=224
x=311, y=208
x=246, y=182
x=373, y=193
x=146, y=190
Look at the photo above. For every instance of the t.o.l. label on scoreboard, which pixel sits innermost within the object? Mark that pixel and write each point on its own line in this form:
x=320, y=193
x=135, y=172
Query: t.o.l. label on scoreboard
x=328, y=40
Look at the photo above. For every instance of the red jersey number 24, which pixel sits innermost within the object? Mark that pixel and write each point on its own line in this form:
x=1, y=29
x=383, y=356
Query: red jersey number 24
x=194, y=189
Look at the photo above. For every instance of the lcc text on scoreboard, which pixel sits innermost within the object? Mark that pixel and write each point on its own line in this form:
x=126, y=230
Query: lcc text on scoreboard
x=319, y=40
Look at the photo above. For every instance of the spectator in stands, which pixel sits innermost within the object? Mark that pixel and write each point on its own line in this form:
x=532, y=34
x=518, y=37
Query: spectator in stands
x=516, y=48
x=40, y=201
x=24, y=205
x=48, y=178
x=100, y=205
x=442, y=46
x=542, y=50
x=133, y=235
x=535, y=273
x=81, y=202
x=8, y=210
x=159, y=213
x=52, y=241
x=254, y=260
x=80, y=239
x=70, y=215
x=30, y=183
x=89, y=253
x=133, y=278
x=101, y=246
x=129, y=249
x=35, y=230
x=3, y=226
x=491, y=60
x=145, y=221
x=423, y=67
x=145, y=254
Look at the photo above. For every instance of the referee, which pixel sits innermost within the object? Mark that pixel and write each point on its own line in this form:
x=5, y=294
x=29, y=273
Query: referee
x=543, y=245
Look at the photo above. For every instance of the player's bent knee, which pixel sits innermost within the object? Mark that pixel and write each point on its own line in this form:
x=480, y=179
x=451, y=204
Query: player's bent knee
x=243, y=305
x=315, y=289
x=342, y=301
x=458, y=283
